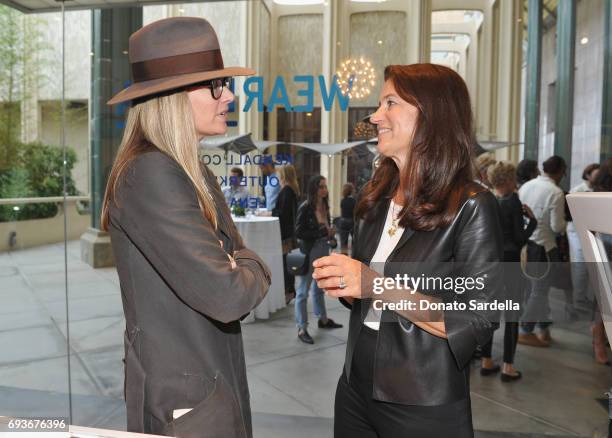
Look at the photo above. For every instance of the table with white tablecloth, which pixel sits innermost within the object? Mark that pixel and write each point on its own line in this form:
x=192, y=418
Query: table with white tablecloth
x=261, y=234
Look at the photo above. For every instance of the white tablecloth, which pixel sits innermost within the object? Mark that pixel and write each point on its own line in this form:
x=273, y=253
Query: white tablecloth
x=262, y=235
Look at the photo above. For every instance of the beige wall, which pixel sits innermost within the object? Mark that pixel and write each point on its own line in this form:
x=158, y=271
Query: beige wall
x=38, y=232
x=366, y=29
x=300, y=44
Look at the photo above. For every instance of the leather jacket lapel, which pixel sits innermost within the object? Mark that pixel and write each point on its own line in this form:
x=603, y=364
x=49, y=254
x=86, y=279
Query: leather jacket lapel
x=369, y=234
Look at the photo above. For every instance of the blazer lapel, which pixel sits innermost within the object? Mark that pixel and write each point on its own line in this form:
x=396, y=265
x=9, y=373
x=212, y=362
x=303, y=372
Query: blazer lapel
x=370, y=239
x=408, y=232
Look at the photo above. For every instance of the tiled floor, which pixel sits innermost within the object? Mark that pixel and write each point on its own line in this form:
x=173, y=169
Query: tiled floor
x=292, y=384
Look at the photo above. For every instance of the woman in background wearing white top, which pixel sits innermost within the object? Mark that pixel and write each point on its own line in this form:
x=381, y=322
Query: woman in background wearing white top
x=422, y=215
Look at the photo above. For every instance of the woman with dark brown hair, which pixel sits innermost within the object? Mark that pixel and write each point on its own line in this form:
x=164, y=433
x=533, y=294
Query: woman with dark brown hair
x=421, y=216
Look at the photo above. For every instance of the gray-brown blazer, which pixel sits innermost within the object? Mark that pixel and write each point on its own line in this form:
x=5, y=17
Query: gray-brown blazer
x=182, y=302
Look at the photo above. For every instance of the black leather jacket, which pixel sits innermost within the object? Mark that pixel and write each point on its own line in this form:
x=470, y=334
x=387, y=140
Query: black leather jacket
x=307, y=227
x=413, y=367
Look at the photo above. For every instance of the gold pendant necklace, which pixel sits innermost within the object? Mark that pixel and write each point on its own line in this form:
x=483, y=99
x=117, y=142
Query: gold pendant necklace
x=393, y=228
x=394, y=221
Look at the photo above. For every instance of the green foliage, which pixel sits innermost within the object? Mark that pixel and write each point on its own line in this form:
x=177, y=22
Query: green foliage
x=26, y=169
x=238, y=211
x=23, y=61
x=37, y=171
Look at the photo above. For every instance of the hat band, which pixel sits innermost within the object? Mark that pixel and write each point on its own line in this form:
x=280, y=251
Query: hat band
x=158, y=68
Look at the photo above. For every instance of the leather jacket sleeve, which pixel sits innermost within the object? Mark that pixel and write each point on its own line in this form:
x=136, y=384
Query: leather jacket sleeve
x=306, y=225
x=478, y=251
x=159, y=211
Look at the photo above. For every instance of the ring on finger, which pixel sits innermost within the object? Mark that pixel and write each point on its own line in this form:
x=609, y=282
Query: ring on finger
x=342, y=283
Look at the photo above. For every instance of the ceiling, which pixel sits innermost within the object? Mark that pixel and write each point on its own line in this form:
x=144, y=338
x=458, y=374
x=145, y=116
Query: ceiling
x=36, y=6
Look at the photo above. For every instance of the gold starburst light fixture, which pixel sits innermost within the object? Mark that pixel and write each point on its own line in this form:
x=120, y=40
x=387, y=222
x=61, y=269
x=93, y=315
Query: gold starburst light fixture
x=356, y=77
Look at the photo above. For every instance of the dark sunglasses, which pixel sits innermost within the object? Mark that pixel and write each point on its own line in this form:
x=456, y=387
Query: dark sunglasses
x=216, y=86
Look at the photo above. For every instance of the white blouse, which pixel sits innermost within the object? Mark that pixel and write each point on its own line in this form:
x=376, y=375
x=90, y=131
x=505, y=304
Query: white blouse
x=386, y=245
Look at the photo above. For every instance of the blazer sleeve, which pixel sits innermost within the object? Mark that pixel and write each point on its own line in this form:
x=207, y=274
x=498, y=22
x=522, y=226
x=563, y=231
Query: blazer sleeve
x=159, y=211
x=478, y=252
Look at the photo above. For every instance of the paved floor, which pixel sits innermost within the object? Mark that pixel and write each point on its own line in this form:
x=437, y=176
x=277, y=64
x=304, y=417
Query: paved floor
x=292, y=384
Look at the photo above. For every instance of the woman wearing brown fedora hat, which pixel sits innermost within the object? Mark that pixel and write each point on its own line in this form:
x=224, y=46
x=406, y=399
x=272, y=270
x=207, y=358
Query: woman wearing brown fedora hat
x=186, y=277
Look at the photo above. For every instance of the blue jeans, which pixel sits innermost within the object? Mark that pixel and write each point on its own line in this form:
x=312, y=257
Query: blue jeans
x=537, y=308
x=319, y=249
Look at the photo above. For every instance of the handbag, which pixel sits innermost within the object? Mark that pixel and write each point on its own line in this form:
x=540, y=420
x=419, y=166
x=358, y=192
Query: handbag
x=538, y=264
x=562, y=278
x=297, y=262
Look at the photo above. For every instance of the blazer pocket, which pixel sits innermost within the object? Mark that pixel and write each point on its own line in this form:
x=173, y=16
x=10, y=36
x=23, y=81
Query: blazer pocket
x=134, y=386
x=217, y=416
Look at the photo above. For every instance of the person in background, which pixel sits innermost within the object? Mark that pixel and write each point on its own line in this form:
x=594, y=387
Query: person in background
x=346, y=222
x=588, y=177
x=313, y=228
x=236, y=192
x=526, y=170
x=483, y=162
x=286, y=209
x=272, y=184
x=580, y=280
x=502, y=176
x=547, y=201
x=602, y=182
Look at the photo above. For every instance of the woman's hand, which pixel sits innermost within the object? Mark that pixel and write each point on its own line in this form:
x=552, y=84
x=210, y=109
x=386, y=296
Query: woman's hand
x=331, y=271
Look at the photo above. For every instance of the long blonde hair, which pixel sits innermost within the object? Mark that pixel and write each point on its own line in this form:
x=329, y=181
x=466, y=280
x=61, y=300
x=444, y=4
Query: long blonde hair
x=166, y=123
x=288, y=176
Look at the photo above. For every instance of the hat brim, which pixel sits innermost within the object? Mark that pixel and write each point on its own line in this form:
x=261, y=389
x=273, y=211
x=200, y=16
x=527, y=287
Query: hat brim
x=155, y=86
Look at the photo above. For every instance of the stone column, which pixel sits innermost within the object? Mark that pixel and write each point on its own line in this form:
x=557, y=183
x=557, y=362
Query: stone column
x=418, y=22
x=251, y=121
x=424, y=35
x=534, y=71
x=485, y=65
x=606, y=112
x=110, y=73
x=336, y=28
x=564, y=103
x=509, y=78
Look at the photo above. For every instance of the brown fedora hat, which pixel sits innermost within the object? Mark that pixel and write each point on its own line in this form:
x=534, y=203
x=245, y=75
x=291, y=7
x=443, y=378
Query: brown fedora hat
x=173, y=53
